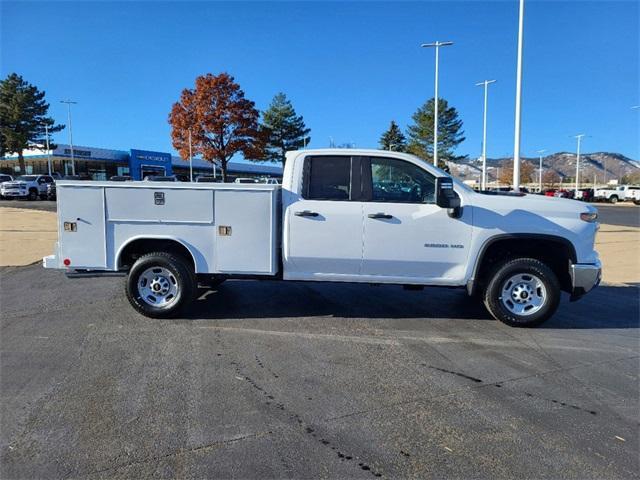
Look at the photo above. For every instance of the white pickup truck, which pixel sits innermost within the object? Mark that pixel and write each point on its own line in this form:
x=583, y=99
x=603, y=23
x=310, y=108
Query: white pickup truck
x=616, y=194
x=365, y=216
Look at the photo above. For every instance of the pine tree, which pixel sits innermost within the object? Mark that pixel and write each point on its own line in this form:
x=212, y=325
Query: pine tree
x=283, y=129
x=23, y=117
x=393, y=139
x=450, y=133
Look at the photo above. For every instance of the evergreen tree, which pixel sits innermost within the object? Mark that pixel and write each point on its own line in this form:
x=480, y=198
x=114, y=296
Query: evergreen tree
x=23, y=117
x=450, y=133
x=283, y=129
x=393, y=139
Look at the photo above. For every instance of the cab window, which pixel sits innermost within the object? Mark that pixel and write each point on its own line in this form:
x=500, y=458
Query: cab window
x=398, y=181
x=328, y=178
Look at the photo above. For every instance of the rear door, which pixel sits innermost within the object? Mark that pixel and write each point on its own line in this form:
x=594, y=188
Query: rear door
x=407, y=237
x=324, y=223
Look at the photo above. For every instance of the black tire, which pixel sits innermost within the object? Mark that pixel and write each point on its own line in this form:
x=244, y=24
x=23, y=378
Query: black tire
x=527, y=267
x=636, y=202
x=33, y=194
x=180, y=272
x=613, y=199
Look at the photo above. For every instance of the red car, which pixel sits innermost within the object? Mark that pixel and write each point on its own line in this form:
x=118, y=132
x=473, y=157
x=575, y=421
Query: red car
x=550, y=192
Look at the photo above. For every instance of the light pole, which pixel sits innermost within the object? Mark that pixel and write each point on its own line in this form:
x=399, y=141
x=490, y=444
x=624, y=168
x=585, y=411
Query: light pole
x=516, y=140
x=73, y=163
x=540, y=152
x=190, y=159
x=579, y=138
x=437, y=46
x=46, y=133
x=483, y=183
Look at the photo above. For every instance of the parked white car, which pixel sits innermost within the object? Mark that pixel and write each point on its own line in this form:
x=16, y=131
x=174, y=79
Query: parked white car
x=26, y=186
x=364, y=216
x=634, y=195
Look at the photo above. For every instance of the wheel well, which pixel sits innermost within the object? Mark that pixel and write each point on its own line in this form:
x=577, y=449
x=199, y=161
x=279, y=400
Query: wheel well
x=135, y=249
x=555, y=253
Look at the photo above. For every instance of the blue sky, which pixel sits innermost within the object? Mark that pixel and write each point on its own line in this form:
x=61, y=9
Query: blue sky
x=348, y=67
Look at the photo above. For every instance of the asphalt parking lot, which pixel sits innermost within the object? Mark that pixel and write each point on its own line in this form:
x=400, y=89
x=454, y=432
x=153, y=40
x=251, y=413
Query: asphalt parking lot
x=303, y=380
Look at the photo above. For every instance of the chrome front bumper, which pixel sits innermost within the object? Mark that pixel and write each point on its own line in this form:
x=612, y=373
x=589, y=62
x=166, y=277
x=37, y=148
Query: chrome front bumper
x=584, y=278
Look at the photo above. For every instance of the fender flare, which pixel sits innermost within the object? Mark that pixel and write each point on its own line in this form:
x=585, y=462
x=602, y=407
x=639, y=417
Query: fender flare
x=472, y=282
x=153, y=237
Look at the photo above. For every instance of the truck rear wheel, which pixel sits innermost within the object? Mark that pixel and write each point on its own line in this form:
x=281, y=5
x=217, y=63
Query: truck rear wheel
x=613, y=199
x=160, y=284
x=522, y=293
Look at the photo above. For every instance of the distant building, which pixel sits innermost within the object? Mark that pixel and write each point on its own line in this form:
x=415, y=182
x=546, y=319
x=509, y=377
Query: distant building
x=101, y=163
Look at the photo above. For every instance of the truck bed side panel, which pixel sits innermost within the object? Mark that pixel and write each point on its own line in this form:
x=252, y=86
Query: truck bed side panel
x=248, y=245
x=84, y=207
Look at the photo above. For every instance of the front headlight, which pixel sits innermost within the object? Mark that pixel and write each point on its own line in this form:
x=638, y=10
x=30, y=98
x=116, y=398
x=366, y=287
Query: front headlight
x=589, y=217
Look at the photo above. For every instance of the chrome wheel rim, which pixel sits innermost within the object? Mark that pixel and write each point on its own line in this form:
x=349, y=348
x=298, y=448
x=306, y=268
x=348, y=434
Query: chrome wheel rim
x=158, y=287
x=523, y=294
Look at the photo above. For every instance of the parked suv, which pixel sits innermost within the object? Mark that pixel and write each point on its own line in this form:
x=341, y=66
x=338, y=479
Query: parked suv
x=27, y=186
x=5, y=178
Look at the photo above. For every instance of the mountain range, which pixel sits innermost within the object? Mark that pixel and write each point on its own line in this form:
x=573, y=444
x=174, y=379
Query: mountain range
x=603, y=166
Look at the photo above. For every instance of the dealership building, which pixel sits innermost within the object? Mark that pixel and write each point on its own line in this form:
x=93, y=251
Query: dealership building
x=101, y=164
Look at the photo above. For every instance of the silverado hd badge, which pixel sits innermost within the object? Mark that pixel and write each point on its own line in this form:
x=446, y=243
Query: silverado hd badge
x=443, y=245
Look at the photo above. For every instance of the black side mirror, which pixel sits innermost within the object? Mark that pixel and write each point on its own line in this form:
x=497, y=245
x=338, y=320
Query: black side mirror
x=446, y=197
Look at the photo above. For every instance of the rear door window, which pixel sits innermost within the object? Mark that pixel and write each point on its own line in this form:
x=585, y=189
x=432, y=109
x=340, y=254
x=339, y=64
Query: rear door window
x=328, y=178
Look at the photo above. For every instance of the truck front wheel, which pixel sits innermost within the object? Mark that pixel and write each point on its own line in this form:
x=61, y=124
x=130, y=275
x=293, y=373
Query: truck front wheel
x=613, y=199
x=522, y=293
x=160, y=284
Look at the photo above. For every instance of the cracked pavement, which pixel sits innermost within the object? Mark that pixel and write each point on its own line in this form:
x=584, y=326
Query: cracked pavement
x=305, y=380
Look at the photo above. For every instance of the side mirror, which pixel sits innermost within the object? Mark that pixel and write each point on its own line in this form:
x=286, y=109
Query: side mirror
x=446, y=197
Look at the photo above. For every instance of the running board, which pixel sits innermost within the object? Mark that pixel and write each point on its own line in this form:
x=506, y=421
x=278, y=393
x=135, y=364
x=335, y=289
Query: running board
x=94, y=274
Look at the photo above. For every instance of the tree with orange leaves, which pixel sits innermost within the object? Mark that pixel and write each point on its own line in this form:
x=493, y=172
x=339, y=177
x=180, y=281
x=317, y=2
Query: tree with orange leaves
x=221, y=121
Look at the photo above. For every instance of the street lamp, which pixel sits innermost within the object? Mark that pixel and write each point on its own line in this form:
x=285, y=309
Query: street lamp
x=579, y=139
x=484, y=134
x=540, y=152
x=516, y=140
x=437, y=46
x=46, y=133
x=73, y=163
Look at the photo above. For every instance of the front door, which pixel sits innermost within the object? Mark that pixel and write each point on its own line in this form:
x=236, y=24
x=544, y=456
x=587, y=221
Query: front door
x=324, y=222
x=407, y=237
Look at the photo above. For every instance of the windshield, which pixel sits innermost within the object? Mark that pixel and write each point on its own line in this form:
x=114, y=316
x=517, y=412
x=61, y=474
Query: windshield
x=27, y=178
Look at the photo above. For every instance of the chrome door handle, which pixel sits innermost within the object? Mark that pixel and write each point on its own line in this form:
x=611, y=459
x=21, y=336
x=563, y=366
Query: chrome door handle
x=306, y=213
x=380, y=215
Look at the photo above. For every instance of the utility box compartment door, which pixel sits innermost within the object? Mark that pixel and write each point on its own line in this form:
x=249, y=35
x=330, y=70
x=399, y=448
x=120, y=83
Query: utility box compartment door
x=245, y=231
x=81, y=226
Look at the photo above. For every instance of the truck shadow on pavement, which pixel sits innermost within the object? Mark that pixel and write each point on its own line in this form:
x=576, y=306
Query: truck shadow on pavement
x=607, y=307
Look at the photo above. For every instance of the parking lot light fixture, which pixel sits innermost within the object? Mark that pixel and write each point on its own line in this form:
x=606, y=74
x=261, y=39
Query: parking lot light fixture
x=540, y=152
x=73, y=163
x=579, y=139
x=46, y=136
x=518, y=115
x=437, y=46
x=483, y=183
